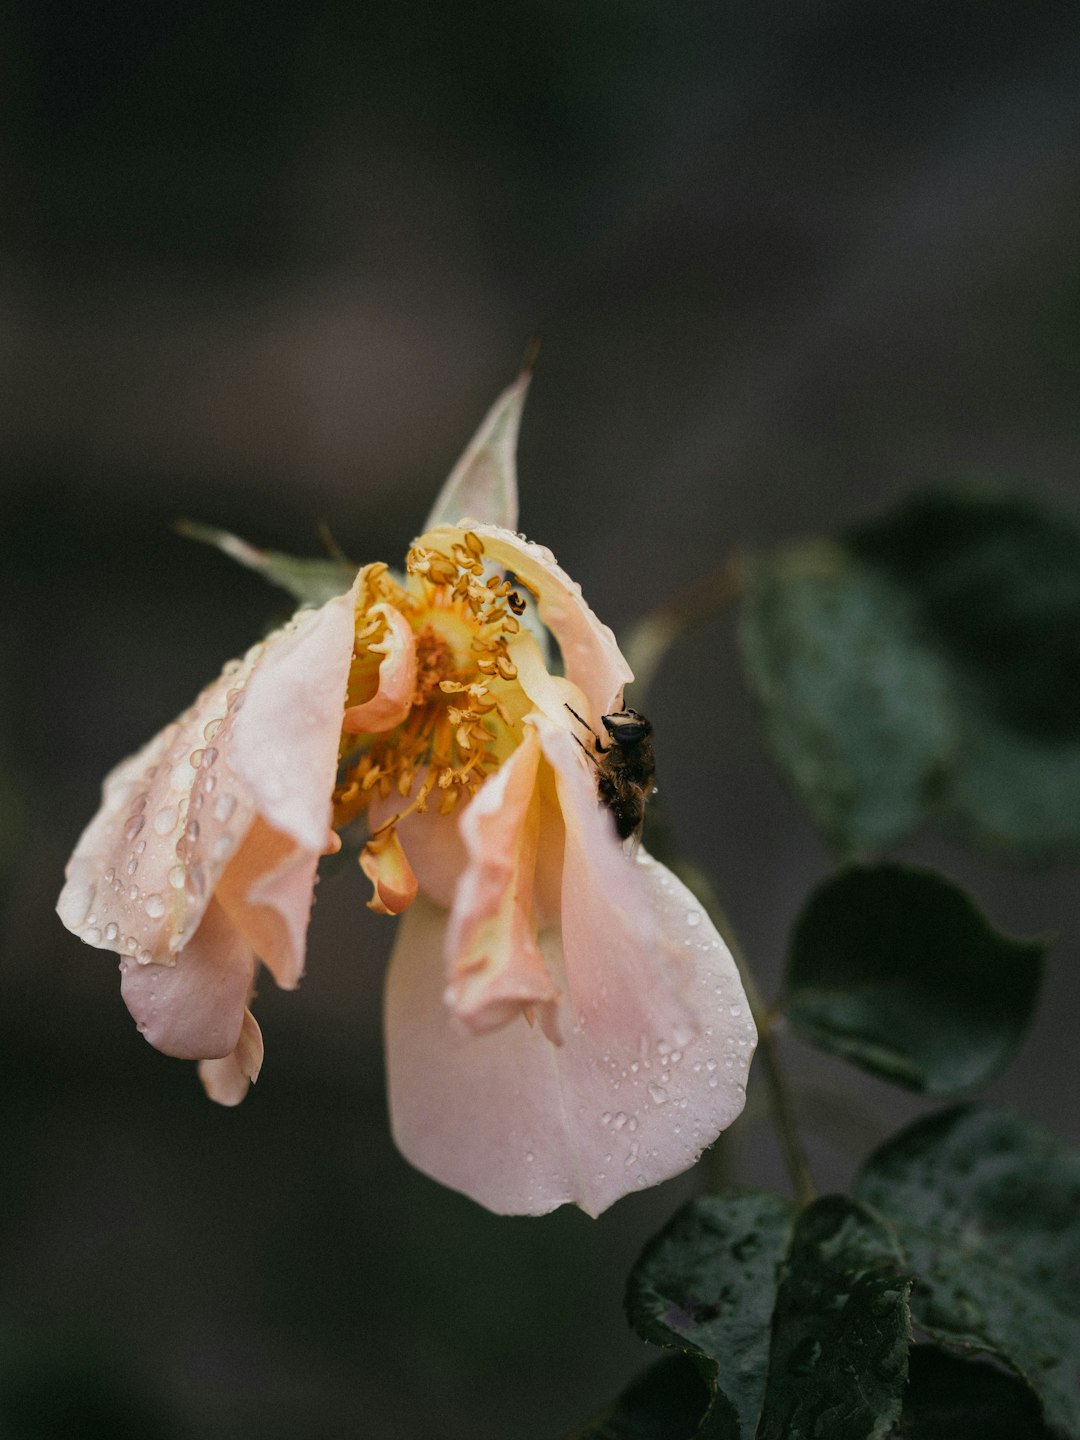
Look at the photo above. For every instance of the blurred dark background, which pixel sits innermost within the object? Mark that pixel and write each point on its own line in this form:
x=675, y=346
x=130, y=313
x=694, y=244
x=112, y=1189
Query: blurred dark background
x=266, y=265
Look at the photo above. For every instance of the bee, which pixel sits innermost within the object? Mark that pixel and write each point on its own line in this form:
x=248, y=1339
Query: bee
x=625, y=768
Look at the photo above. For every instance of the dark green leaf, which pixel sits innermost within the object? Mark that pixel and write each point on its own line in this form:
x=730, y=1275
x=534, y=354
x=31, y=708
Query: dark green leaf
x=841, y=1329
x=898, y=971
x=928, y=667
x=802, y=1326
x=995, y=579
x=953, y=1399
x=666, y=1403
x=986, y=1209
x=706, y=1284
x=311, y=581
x=856, y=706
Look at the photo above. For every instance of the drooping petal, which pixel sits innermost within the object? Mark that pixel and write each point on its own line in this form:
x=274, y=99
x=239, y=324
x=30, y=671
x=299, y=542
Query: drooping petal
x=483, y=483
x=194, y=1009
x=494, y=965
x=267, y=891
x=591, y=655
x=285, y=745
x=391, y=703
x=228, y=1079
x=523, y=1126
x=432, y=841
x=384, y=862
x=262, y=738
x=627, y=973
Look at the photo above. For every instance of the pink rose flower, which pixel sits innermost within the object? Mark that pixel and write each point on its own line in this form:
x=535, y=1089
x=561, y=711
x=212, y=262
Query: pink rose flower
x=563, y=1022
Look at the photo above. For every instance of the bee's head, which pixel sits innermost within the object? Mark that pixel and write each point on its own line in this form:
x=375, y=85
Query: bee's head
x=626, y=727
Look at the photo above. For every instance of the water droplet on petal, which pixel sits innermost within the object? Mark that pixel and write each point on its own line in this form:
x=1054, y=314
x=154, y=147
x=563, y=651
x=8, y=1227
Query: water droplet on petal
x=154, y=906
x=693, y=917
x=92, y=935
x=165, y=819
x=111, y=931
x=658, y=1094
x=224, y=808
x=177, y=875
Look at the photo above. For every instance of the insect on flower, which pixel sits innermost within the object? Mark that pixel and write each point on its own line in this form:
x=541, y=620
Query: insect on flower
x=626, y=769
x=563, y=1022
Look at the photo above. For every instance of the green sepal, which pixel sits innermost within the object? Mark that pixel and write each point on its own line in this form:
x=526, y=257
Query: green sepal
x=311, y=581
x=897, y=970
x=985, y=1207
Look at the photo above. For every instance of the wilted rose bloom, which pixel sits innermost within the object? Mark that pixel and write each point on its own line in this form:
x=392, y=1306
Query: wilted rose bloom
x=563, y=1022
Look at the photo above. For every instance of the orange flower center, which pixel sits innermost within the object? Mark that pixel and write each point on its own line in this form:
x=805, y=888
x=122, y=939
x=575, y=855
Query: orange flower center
x=466, y=702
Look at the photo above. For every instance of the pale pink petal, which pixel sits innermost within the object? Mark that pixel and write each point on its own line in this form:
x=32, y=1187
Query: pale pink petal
x=523, y=1126
x=144, y=869
x=432, y=842
x=626, y=973
x=494, y=966
x=384, y=862
x=227, y=1080
x=262, y=738
x=591, y=655
x=267, y=890
x=392, y=701
x=194, y=1008
x=483, y=483
x=285, y=745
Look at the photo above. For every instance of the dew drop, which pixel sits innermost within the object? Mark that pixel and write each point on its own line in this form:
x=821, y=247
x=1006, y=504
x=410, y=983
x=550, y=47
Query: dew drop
x=112, y=931
x=154, y=906
x=620, y=1120
x=632, y=1153
x=144, y=957
x=222, y=846
x=92, y=935
x=210, y=729
x=224, y=808
x=133, y=892
x=176, y=877
x=658, y=1094
x=210, y=754
x=191, y=831
x=196, y=758
x=693, y=917
x=130, y=943
x=710, y=1065
x=165, y=819
x=682, y=1037
x=735, y=1011
x=605, y=1118
x=132, y=865
x=133, y=826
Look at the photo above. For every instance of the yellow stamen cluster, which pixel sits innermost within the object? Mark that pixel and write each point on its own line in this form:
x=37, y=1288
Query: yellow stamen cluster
x=450, y=739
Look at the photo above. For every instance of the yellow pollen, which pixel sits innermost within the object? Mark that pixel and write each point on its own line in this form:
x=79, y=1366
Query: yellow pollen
x=448, y=741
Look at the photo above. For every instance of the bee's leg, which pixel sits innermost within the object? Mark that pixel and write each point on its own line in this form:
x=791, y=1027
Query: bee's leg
x=587, y=752
x=600, y=749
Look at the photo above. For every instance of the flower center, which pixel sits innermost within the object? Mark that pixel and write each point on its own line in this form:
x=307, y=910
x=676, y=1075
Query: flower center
x=466, y=701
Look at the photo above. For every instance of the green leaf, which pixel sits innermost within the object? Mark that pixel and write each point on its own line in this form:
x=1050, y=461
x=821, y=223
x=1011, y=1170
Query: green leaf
x=953, y=1399
x=928, y=667
x=665, y=1403
x=801, y=1325
x=841, y=1329
x=311, y=581
x=995, y=578
x=985, y=1206
x=897, y=970
x=856, y=707
x=706, y=1284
